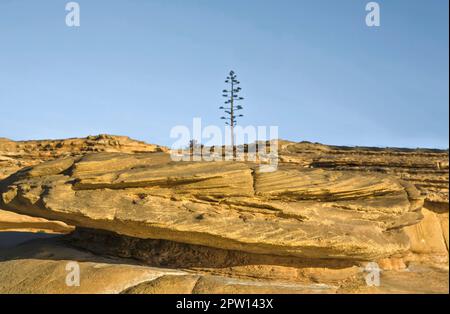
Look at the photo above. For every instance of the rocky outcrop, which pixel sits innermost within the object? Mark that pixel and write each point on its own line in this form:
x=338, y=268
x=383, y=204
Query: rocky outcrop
x=223, y=227
x=11, y=221
x=42, y=266
x=307, y=213
x=16, y=155
x=430, y=236
x=427, y=169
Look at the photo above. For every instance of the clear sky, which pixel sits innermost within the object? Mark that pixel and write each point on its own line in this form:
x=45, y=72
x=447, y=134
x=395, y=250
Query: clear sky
x=141, y=67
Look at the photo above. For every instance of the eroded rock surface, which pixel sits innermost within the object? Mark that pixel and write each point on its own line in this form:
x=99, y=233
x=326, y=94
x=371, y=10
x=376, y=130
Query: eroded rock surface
x=39, y=266
x=223, y=227
x=309, y=213
x=427, y=169
x=16, y=155
x=11, y=221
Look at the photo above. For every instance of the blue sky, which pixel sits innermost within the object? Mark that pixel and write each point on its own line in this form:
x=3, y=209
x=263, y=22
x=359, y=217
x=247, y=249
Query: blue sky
x=311, y=67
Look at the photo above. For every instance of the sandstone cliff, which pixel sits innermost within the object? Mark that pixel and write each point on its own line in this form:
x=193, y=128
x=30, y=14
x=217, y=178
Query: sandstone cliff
x=202, y=227
x=309, y=213
x=427, y=169
x=16, y=155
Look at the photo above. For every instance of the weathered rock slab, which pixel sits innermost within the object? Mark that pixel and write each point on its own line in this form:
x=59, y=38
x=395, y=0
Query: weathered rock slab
x=309, y=213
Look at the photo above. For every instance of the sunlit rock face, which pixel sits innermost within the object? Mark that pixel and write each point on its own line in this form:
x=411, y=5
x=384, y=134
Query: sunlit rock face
x=16, y=155
x=202, y=227
x=426, y=169
x=310, y=213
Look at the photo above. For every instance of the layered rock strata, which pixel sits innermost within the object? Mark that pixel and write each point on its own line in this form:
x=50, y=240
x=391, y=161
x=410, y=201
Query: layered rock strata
x=16, y=155
x=308, y=213
x=223, y=227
